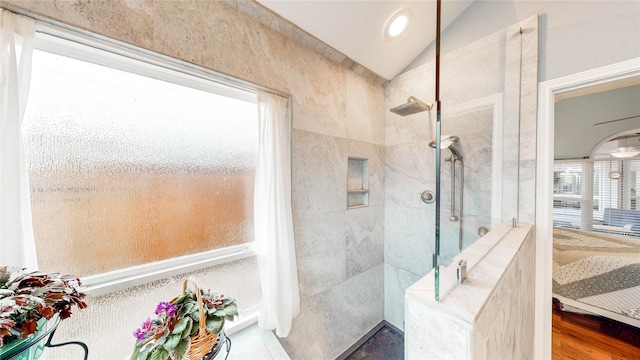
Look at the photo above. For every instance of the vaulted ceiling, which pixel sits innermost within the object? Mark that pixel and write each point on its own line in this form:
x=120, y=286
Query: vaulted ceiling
x=356, y=28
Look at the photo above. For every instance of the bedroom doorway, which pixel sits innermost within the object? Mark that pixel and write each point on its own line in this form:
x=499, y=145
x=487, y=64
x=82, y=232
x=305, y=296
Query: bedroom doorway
x=551, y=93
x=596, y=222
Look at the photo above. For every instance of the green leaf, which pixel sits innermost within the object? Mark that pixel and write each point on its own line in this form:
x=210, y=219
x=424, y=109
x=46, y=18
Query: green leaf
x=231, y=309
x=172, y=342
x=195, y=328
x=187, y=331
x=189, y=308
x=160, y=354
x=195, y=316
x=181, y=350
x=181, y=326
x=180, y=299
x=136, y=353
x=160, y=341
x=144, y=354
x=215, y=324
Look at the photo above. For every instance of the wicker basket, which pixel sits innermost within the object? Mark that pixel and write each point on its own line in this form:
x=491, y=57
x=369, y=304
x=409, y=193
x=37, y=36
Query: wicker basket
x=203, y=341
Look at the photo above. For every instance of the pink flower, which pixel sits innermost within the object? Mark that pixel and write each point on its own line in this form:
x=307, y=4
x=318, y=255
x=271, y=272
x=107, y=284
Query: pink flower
x=167, y=308
x=139, y=334
x=146, y=325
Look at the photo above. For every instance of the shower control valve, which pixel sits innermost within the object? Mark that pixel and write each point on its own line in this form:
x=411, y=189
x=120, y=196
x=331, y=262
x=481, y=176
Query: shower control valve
x=428, y=196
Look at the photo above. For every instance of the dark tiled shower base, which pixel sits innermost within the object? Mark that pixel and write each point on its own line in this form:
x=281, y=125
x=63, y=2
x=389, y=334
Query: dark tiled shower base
x=385, y=343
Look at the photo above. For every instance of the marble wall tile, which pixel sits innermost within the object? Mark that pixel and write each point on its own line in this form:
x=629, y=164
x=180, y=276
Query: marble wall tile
x=332, y=321
x=206, y=20
x=319, y=96
x=365, y=110
x=475, y=131
x=527, y=191
x=412, y=128
x=473, y=71
x=320, y=251
x=319, y=173
x=364, y=239
x=409, y=238
x=409, y=170
x=520, y=111
x=376, y=166
x=432, y=334
x=129, y=21
x=396, y=282
x=507, y=321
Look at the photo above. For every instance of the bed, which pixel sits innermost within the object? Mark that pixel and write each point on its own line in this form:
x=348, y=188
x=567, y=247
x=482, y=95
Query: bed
x=598, y=273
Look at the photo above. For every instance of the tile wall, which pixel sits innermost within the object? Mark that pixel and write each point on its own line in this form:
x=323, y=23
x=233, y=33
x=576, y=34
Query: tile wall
x=336, y=114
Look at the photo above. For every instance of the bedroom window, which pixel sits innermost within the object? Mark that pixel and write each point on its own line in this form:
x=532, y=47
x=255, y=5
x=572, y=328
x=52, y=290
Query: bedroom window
x=597, y=195
x=132, y=163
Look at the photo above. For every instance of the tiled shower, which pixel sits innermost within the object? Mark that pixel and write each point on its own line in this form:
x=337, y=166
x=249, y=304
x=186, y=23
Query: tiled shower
x=353, y=263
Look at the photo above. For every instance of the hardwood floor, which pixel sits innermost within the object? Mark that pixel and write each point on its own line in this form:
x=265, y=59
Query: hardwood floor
x=584, y=337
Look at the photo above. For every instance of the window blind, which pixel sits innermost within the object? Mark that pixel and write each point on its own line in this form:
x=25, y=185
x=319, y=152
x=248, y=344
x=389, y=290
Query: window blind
x=597, y=195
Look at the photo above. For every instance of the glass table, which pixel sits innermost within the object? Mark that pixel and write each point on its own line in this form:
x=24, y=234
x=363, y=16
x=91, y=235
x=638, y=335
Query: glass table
x=33, y=346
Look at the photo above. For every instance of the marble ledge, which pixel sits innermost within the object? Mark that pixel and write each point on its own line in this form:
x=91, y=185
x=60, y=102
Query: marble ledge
x=487, y=260
x=256, y=344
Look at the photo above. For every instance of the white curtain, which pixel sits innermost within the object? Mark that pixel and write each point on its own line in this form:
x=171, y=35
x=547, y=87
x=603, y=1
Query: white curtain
x=17, y=245
x=273, y=219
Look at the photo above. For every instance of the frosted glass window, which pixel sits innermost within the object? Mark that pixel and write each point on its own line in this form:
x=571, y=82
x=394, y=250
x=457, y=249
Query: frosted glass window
x=127, y=169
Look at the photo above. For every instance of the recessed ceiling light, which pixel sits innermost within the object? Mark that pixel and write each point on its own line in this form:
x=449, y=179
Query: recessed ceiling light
x=397, y=23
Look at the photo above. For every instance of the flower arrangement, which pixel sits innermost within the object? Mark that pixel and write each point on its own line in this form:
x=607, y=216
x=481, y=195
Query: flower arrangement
x=29, y=296
x=170, y=332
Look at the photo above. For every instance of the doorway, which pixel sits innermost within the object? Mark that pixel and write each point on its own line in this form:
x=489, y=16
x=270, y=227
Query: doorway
x=548, y=90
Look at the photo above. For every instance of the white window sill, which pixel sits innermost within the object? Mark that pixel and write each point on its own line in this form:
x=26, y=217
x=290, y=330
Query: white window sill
x=105, y=283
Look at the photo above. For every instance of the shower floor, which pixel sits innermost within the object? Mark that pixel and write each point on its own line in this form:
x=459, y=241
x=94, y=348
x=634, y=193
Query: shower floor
x=385, y=343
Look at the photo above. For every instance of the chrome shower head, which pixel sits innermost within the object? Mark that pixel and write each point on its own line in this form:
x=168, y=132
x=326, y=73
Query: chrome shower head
x=447, y=142
x=412, y=106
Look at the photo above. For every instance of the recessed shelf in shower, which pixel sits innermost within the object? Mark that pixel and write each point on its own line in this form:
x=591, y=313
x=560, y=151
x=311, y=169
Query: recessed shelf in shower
x=357, y=183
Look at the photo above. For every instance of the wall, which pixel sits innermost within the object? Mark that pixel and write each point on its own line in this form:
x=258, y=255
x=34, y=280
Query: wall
x=335, y=114
x=584, y=111
x=490, y=315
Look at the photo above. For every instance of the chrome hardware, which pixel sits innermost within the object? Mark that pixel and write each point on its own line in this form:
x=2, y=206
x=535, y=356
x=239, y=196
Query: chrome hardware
x=462, y=271
x=428, y=196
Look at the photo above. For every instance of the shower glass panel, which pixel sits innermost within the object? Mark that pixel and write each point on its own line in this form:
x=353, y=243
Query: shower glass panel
x=483, y=94
x=466, y=179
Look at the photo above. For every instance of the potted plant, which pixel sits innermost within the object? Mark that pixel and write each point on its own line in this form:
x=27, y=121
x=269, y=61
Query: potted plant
x=186, y=327
x=29, y=298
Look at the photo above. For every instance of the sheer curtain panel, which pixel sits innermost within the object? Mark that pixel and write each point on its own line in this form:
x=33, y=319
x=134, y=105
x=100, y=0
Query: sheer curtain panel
x=273, y=219
x=17, y=245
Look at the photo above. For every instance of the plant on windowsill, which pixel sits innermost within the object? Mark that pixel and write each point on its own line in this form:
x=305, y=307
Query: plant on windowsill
x=28, y=297
x=187, y=327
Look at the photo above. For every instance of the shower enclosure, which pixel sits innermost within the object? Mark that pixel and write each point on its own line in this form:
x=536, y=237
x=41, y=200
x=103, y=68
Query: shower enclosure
x=485, y=181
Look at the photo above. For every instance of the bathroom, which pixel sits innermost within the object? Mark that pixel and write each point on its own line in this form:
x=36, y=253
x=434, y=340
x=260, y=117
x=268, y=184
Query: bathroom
x=354, y=265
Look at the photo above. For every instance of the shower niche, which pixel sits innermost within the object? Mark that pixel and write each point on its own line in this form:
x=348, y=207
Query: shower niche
x=357, y=183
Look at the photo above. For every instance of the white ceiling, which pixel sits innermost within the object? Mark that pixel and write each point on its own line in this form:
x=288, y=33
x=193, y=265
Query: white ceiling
x=356, y=27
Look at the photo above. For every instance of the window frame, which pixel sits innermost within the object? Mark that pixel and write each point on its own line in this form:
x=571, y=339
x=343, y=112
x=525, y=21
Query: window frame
x=94, y=48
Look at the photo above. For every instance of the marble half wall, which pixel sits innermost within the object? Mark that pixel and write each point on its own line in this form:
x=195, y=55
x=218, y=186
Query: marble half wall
x=336, y=113
x=490, y=315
